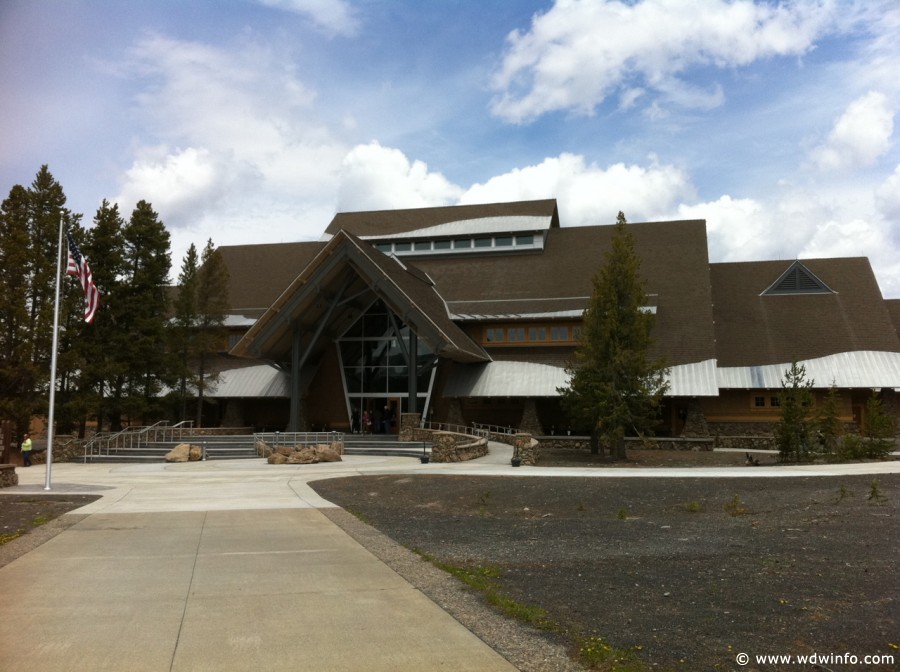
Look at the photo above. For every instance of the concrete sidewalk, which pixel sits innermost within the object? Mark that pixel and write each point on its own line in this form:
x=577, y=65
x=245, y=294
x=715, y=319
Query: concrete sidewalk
x=230, y=565
x=199, y=581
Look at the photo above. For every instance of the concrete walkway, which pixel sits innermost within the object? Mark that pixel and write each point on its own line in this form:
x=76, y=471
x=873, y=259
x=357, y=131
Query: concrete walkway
x=230, y=565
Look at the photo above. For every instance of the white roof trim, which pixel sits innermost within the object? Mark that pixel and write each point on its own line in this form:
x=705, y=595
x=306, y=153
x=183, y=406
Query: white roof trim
x=468, y=227
x=866, y=369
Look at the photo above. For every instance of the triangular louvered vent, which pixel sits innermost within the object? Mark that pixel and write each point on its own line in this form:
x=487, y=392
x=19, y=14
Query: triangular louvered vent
x=798, y=279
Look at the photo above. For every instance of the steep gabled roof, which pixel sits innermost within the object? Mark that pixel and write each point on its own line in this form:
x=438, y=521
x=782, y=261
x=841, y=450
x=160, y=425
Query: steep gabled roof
x=331, y=292
x=258, y=274
x=797, y=279
x=390, y=222
x=755, y=329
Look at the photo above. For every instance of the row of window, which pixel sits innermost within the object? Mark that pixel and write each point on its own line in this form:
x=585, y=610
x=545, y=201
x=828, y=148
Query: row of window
x=457, y=244
x=557, y=333
x=761, y=401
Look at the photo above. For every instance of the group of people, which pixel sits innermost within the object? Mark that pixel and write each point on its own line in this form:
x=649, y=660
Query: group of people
x=368, y=421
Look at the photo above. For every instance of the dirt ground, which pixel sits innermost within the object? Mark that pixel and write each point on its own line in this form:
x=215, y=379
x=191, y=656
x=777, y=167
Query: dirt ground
x=682, y=574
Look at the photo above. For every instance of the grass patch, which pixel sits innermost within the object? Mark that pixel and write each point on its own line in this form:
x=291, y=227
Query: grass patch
x=598, y=654
x=485, y=581
x=736, y=507
x=693, y=507
x=41, y=520
x=8, y=537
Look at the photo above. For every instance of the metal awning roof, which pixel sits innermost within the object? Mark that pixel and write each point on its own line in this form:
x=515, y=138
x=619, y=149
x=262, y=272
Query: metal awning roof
x=862, y=369
x=529, y=379
x=262, y=381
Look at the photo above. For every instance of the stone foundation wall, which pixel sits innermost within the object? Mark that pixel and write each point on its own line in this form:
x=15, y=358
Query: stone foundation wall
x=747, y=442
x=654, y=443
x=452, y=447
x=8, y=476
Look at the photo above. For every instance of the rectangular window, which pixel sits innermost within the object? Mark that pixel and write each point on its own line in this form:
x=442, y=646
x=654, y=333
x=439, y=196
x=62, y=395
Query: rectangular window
x=422, y=246
x=462, y=244
x=494, y=334
x=384, y=247
x=442, y=244
x=515, y=334
x=526, y=241
x=483, y=242
x=558, y=333
x=759, y=402
x=537, y=334
x=402, y=247
x=503, y=241
x=774, y=402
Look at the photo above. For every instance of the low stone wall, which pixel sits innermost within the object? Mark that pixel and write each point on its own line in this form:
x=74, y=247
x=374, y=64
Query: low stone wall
x=653, y=443
x=756, y=442
x=8, y=476
x=452, y=447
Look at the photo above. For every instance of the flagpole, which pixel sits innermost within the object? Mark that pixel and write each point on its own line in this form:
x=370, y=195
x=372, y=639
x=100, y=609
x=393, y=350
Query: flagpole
x=50, y=414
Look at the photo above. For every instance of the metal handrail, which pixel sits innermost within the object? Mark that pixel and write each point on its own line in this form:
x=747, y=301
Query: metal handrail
x=277, y=439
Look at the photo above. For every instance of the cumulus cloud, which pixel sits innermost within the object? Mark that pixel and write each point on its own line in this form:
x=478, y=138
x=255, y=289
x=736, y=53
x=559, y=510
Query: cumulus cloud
x=335, y=17
x=588, y=193
x=231, y=134
x=887, y=198
x=381, y=178
x=580, y=52
x=860, y=136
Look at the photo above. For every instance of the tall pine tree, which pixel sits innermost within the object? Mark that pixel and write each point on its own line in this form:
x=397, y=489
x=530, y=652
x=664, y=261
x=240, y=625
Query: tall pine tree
x=615, y=386
x=212, y=306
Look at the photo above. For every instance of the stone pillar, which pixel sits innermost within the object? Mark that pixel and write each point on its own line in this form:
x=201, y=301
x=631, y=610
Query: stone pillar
x=530, y=422
x=695, y=424
x=409, y=423
x=526, y=448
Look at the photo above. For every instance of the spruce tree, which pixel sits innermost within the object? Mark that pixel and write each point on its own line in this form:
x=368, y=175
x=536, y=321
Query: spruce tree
x=793, y=431
x=147, y=261
x=212, y=306
x=183, y=327
x=615, y=386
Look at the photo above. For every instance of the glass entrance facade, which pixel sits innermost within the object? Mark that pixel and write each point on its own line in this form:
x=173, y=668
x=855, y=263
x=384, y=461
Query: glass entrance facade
x=375, y=355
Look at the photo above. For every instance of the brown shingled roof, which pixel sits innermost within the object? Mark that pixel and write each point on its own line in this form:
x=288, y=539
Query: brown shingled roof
x=674, y=264
x=756, y=330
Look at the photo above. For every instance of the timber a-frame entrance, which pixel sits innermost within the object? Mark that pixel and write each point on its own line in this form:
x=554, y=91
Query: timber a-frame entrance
x=385, y=317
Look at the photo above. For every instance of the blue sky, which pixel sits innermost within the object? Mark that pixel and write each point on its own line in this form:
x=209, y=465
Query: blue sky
x=252, y=121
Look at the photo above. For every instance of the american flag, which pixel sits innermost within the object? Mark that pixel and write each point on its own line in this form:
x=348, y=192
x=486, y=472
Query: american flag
x=79, y=267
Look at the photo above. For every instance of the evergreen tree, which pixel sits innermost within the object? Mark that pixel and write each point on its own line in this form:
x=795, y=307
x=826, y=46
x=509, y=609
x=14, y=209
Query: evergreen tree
x=880, y=428
x=615, y=386
x=18, y=373
x=147, y=261
x=183, y=330
x=792, y=433
x=212, y=306
x=103, y=345
x=829, y=424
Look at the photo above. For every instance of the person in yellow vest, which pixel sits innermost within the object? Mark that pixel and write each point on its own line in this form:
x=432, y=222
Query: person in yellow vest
x=26, y=451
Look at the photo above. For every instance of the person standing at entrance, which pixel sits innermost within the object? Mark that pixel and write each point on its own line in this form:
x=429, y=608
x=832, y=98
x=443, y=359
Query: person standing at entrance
x=26, y=451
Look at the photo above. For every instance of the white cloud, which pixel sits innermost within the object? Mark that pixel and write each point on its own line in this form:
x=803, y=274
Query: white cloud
x=587, y=193
x=580, y=52
x=382, y=178
x=254, y=148
x=887, y=199
x=335, y=17
x=175, y=182
x=860, y=136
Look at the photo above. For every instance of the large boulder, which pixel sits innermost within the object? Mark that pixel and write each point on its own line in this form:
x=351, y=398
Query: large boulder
x=184, y=452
